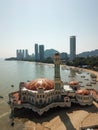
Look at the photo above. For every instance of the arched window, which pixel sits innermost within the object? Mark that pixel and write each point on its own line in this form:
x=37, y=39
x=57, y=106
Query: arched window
x=24, y=98
x=52, y=99
x=48, y=100
x=32, y=101
x=40, y=101
x=29, y=99
x=57, y=97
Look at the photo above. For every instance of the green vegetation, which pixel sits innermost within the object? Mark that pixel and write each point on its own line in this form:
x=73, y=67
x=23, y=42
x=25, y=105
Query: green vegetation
x=89, y=62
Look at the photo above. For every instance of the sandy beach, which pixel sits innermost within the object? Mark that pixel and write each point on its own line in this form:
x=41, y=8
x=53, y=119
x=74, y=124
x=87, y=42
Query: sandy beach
x=92, y=72
x=55, y=119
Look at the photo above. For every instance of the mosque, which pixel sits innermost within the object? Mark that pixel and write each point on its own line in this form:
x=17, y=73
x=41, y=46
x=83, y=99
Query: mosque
x=42, y=94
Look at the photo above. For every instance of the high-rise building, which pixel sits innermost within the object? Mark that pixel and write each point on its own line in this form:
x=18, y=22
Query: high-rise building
x=26, y=53
x=19, y=54
x=72, y=47
x=41, y=52
x=22, y=54
x=36, y=52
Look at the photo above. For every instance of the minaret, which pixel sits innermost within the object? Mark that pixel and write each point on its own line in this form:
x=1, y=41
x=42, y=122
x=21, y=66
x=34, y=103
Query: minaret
x=57, y=78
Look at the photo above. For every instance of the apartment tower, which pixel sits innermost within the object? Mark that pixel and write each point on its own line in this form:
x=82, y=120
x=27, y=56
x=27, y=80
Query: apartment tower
x=36, y=52
x=41, y=52
x=72, y=48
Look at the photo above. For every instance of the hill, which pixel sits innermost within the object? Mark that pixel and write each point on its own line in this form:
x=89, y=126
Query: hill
x=50, y=52
x=88, y=53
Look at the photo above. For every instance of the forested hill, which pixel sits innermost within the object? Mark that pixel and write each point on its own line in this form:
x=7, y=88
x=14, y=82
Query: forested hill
x=89, y=53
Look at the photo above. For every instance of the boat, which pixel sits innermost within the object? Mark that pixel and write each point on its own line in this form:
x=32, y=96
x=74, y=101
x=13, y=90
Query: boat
x=12, y=85
x=89, y=84
x=1, y=96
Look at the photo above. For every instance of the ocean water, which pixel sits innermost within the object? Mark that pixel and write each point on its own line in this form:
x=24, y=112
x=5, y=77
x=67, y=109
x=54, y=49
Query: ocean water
x=13, y=72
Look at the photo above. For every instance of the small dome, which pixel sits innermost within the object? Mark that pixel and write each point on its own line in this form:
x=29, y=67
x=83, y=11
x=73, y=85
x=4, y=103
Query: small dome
x=73, y=83
x=44, y=83
x=84, y=92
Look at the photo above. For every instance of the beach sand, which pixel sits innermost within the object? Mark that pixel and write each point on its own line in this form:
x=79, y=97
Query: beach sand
x=55, y=119
x=92, y=72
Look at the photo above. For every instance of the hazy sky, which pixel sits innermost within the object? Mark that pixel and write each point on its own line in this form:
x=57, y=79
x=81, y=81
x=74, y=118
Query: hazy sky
x=50, y=22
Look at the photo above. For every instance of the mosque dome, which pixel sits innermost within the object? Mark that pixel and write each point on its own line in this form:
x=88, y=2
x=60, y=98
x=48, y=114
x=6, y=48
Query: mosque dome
x=44, y=83
x=83, y=92
x=73, y=83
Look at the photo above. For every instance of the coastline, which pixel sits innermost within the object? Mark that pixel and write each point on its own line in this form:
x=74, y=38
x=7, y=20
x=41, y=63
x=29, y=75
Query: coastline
x=92, y=72
x=87, y=70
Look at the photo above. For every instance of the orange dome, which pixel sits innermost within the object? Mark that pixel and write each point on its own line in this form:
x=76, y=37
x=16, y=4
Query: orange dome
x=84, y=92
x=73, y=83
x=40, y=83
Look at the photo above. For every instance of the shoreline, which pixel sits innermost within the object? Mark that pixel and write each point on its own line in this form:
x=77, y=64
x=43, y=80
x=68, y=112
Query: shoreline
x=92, y=72
x=86, y=70
x=83, y=69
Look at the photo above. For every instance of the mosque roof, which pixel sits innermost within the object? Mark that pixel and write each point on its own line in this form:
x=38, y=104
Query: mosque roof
x=44, y=83
x=73, y=83
x=83, y=92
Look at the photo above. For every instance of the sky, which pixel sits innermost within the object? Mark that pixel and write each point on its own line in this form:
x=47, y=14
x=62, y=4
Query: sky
x=49, y=22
